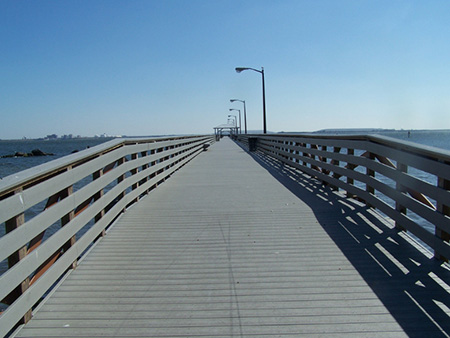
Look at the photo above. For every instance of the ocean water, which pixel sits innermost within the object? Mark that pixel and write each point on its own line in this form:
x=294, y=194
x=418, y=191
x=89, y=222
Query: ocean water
x=59, y=147
x=434, y=138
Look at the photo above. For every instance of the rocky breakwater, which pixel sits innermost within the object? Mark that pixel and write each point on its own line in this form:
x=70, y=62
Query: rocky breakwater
x=34, y=152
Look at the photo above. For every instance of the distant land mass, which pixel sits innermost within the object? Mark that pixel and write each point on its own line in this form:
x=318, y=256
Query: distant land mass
x=361, y=131
x=353, y=130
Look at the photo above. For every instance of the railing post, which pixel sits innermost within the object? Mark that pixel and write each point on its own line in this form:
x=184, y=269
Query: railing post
x=400, y=188
x=143, y=168
x=160, y=171
x=444, y=209
x=313, y=166
x=13, y=259
x=121, y=177
x=134, y=171
x=335, y=163
x=153, y=163
x=304, y=154
x=97, y=196
x=291, y=151
x=66, y=219
x=370, y=173
x=350, y=166
x=287, y=150
x=324, y=159
x=295, y=152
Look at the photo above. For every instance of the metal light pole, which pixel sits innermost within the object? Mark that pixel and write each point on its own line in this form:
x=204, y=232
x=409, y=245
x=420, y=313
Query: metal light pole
x=241, y=69
x=240, y=124
x=235, y=122
x=245, y=113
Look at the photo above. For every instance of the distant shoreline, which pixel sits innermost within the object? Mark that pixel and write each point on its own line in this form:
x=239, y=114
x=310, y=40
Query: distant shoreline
x=57, y=139
x=365, y=130
x=362, y=131
x=321, y=131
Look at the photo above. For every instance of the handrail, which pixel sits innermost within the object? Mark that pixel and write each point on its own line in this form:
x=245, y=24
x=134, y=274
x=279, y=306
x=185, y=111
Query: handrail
x=382, y=171
x=53, y=213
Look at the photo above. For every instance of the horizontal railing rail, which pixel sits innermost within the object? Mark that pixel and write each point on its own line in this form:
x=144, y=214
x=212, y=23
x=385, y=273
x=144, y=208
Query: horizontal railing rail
x=408, y=182
x=54, y=212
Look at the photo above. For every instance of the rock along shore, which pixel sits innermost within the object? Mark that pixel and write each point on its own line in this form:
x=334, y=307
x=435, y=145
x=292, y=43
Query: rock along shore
x=34, y=152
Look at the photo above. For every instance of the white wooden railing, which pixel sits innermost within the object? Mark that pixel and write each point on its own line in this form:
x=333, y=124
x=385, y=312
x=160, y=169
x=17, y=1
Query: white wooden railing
x=54, y=212
x=408, y=182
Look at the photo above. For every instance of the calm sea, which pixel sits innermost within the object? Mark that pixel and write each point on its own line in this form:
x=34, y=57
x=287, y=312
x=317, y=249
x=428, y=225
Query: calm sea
x=434, y=138
x=59, y=148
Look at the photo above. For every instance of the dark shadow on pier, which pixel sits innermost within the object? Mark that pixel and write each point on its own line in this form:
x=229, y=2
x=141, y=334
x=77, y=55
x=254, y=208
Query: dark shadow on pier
x=412, y=286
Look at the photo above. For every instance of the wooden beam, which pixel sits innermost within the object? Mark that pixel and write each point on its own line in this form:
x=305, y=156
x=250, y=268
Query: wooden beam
x=11, y=225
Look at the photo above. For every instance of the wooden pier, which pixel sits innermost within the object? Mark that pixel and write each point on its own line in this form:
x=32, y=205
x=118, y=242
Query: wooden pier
x=160, y=238
x=238, y=245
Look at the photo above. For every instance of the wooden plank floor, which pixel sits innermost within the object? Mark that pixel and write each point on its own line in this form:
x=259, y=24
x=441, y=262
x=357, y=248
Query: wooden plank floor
x=235, y=245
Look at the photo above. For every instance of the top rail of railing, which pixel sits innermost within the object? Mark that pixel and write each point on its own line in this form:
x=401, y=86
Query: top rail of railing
x=420, y=149
x=408, y=182
x=28, y=176
x=52, y=213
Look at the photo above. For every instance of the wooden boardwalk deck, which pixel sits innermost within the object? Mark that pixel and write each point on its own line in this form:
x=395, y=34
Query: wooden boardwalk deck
x=234, y=245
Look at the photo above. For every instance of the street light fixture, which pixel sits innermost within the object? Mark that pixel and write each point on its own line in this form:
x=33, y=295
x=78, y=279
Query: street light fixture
x=241, y=69
x=240, y=124
x=245, y=113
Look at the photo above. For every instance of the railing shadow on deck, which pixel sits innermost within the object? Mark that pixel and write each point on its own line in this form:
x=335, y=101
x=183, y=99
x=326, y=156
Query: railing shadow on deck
x=410, y=283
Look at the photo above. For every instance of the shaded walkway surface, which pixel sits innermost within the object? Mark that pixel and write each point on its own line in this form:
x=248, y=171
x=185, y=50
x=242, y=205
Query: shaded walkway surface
x=238, y=245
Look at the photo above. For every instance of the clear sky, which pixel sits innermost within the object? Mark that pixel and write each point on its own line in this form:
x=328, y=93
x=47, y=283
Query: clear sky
x=167, y=66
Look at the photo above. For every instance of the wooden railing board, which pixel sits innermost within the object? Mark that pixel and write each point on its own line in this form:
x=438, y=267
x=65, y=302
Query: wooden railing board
x=47, y=169
x=28, y=176
x=35, y=225
x=39, y=193
x=426, y=164
x=374, y=166
x=43, y=220
x=357, y=166
x=389, y=172
x=371, y=145
x=74, y=188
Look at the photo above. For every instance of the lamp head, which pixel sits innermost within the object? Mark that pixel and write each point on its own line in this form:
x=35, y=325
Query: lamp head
x=240, y=69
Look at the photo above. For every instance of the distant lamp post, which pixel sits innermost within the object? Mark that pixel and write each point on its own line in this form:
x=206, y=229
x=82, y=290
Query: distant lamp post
x=245, y=113
x=240, y=125
x=241, y=69
x=235, y=122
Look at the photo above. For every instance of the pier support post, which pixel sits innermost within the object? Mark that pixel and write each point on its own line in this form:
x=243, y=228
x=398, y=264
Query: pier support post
x=350, y=166
x=97, y=196
x=444, y=209
x=20, y=254
x=335, y=163
x=66, y=219
x=398, y=207
x=370, y=173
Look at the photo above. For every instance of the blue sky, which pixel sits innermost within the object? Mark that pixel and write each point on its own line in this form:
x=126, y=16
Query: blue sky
x=167, y=67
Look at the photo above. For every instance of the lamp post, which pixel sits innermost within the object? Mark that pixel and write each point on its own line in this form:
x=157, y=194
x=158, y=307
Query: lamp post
x=241, y=69
x=235, y=122
x=245, y=113
x=240, y=124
